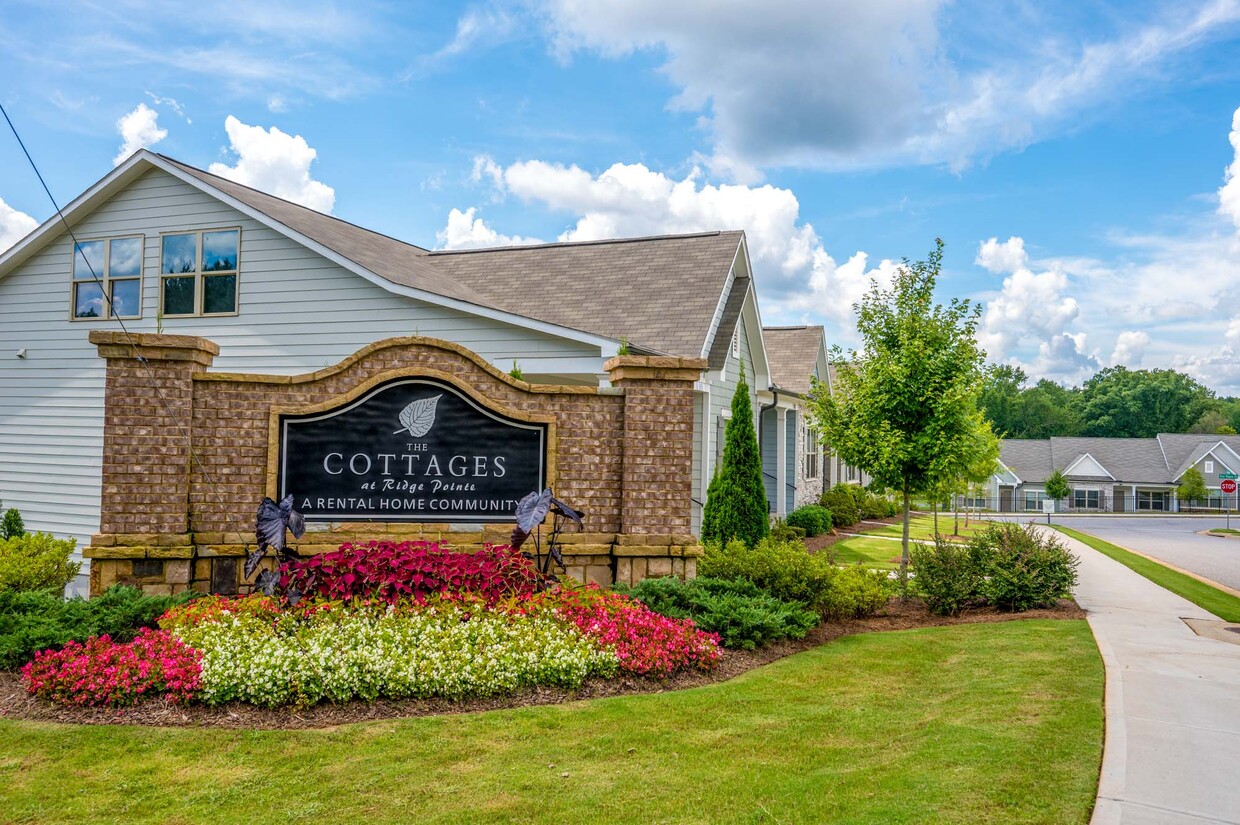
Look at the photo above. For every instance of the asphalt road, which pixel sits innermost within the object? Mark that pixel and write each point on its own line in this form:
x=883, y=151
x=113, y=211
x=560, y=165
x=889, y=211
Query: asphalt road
x=1173, y=539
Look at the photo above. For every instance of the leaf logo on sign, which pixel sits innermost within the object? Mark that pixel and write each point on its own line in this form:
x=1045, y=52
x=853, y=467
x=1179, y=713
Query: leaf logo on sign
x=418, y=418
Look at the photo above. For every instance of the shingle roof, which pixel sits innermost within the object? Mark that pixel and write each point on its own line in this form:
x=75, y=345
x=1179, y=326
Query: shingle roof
x=793, y=355
x=660, y=293
x=1158, y=460
x=722, y=344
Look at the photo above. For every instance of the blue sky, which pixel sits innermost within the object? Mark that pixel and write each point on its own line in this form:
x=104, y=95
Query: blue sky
x=1074, y=157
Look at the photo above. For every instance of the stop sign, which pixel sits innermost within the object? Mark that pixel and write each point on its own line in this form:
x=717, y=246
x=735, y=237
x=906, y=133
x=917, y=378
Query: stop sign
x=1228, y=486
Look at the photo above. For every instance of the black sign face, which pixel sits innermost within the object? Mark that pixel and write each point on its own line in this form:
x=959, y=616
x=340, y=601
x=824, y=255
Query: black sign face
x=412, y=449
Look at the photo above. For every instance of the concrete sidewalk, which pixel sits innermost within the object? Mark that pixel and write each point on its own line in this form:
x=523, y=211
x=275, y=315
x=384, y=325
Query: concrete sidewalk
x=1172, y=750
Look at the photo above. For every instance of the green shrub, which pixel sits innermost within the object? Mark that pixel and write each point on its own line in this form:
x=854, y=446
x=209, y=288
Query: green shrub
x=812, y=517
x=744, y=615
x=736, y=506
x=856, y=593
x=948, y=576
x=1026, y=569
x=39, y=619
x=783, y=531
x=873, y=506
x=1011, y=567
x=842, y=505
x=36, y=561
x=12, y=525
x=785, y=569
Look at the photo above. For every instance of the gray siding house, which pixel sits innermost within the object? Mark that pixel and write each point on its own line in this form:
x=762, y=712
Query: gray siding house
x=283, y=289
x=1113, y=475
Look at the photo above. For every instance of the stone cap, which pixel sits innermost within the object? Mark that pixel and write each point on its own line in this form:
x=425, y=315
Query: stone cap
x=654, y=367
x=154, y=347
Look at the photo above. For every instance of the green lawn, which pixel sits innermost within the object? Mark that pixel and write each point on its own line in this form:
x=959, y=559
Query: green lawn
x=876, y=554
x=921, y=527
x=1224, y=531
x=964, y=724
x=1221, y=604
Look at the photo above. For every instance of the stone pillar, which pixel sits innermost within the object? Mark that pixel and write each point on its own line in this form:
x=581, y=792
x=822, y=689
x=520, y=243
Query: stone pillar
x=658, y=441
x=146, y=432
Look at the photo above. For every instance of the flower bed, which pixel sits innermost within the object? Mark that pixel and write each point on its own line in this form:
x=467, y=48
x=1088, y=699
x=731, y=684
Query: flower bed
x=436, y=642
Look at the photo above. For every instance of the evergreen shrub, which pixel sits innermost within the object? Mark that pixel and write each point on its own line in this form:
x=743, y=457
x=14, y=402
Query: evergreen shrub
x=783, y=531
x=12, y=525
x=785, y=569
x=36, y=561
x=38, y=619
x=856, y=593
x=743, y=615
x=814, y=518
x=736, y=505
x=842, y=503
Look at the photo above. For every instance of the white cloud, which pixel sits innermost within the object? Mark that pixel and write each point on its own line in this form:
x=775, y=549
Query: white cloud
x=1030, y=308
x=139, y=130
x=1229, y=194
x=277, y=104
x=274, y=162
x=14, y=225
x=998, y=258
x=1130, y=348
x=796, y=275
x=172, y=104
x=467, y=231
x=837, y=83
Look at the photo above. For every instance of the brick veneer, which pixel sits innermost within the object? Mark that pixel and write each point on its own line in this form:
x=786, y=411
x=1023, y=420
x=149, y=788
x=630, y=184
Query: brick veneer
x=623, y=454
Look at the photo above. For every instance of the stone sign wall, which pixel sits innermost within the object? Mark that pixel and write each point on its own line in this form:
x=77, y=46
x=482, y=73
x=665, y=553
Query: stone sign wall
x=182, y=478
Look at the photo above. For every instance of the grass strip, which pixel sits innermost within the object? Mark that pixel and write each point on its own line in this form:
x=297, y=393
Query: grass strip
x=974, y=723
x=1221, y=604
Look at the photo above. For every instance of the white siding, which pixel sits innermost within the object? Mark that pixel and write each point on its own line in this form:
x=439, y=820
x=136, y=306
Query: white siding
x=298, y=312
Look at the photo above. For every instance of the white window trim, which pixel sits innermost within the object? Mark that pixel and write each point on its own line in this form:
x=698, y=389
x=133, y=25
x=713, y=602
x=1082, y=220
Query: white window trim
x=1209, y=466
x=104, y=279
x=200, y=275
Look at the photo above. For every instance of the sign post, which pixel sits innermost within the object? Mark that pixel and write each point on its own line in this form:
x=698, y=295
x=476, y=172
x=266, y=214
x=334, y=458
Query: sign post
x=1228, y=487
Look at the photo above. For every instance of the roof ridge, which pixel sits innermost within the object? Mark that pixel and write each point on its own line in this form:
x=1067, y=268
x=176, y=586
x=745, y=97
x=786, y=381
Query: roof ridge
x=365, y=229
x=599, y=242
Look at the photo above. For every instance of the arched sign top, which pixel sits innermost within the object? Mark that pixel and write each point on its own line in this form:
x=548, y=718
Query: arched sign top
x=410, y=449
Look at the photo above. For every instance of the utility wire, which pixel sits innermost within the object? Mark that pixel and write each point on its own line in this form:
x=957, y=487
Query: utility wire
x=77, y=250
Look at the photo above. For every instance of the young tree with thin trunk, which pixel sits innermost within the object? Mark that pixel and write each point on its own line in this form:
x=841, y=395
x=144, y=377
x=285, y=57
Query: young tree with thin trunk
x=905, y=407
x=1192, y=486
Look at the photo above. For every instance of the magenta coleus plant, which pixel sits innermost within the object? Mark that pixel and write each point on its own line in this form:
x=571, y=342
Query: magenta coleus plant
x=391, y=571
x=101, y=672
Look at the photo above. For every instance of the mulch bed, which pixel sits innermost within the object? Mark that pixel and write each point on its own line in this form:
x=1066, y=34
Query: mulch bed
x=16, y=703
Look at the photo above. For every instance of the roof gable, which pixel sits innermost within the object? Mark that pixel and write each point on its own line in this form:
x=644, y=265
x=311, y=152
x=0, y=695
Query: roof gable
x=1086, y=466
x=794, y=353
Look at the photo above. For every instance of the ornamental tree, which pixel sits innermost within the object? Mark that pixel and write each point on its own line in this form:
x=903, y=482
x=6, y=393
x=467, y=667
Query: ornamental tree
x=904, y=409
x=1057, y=486
x=736, y=505
x=1192, y=486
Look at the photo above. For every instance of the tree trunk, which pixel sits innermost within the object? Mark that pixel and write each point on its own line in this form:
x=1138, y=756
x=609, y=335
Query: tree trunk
x=956, y=529
x=904, y=551
x=935, y=505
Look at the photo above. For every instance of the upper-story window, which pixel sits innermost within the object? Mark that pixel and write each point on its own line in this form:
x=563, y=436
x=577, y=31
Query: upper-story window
x=198, y=272
x=736, y=343
x=1209, y=466
x=107, y=278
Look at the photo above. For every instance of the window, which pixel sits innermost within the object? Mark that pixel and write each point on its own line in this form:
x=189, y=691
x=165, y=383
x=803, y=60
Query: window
x=110, y=267
x=1209, y=467
x=736, y=343
x=198, y=272
x=1149, y=500
x=1085, y=499
x=1034, y=499
x=811, y=453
